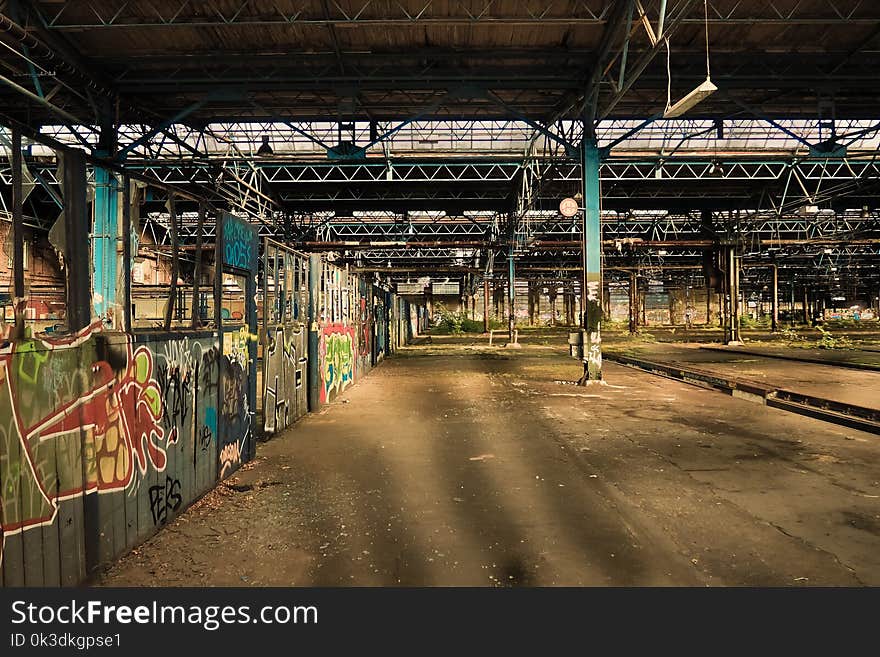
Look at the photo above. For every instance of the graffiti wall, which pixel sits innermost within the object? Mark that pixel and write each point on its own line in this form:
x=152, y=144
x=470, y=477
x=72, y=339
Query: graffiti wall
x=337, y=349
x=107, y=437
x=284, y=331
x=284, y=376
x=380, y=324
x=237, y=372
x=104, y=438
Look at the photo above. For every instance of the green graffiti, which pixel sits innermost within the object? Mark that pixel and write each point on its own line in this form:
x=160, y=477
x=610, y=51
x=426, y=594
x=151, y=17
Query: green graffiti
x=338, y=357
x=30, y=359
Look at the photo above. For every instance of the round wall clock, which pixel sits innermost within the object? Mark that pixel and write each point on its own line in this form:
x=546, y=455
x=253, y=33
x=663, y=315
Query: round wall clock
x=568, y=207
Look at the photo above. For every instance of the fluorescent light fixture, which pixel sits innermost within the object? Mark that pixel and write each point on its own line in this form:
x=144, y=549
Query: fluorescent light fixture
x=693, y=98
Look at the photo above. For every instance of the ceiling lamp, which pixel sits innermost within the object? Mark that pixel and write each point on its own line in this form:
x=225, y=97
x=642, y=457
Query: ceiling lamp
x=706, y=89
x=265, y=148
x=716, y=168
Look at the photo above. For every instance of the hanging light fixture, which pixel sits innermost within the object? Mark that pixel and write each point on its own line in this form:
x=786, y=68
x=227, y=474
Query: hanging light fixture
x=706, y=89
x=265, y=148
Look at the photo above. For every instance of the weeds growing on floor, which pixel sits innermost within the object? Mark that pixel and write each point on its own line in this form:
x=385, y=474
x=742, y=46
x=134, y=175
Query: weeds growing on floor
x=830, y=341
x=457, y=323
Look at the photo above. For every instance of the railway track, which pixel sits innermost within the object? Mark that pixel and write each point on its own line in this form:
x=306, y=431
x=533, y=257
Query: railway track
x=849, y=415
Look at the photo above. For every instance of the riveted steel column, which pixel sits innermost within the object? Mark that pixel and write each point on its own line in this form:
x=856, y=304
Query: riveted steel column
x=126, y=254
x=314, y=316
x=17, y=236
x=511, y=281
x=775, y=313
x=592, y=262
x=196, y=317
x=485, y=305
x=105, y=253
x=76, y=241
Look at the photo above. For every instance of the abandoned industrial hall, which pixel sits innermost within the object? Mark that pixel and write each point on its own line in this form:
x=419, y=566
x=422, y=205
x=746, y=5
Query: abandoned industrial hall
x=439, y=293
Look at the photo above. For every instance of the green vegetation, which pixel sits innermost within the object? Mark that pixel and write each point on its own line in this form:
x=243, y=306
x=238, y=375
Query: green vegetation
x=457, y=323
x=641, y=335
x=829, y=341
x=790, y=335
x=746, y=321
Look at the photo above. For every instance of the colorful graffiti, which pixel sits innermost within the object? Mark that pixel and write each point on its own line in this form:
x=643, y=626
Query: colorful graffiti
x=234, y=404
x=336, y=354
x=100, y=418
x=365, y=328
x=88, y=423
x=235, y=345
x=240, y=243
x=230, y=458
x=284, y=394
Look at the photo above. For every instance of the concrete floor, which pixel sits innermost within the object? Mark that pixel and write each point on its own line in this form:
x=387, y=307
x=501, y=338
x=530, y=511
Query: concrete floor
x=458, y=464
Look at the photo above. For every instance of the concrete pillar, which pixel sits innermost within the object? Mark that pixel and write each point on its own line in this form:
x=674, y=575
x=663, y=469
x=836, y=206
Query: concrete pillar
x=591, y=249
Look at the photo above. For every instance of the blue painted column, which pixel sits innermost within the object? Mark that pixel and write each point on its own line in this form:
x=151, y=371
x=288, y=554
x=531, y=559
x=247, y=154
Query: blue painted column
x=592, y=262
x=314, y=316
x=511, y=283
x=104, y=247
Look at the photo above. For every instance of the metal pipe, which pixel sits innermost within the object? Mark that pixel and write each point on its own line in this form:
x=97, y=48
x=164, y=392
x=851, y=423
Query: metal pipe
x=661, y=20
